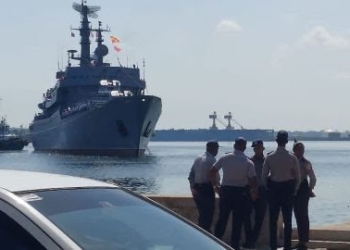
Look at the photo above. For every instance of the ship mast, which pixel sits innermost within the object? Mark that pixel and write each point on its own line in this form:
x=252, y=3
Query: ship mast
x=229, y=118
x=101, y=49
x=85, y=11
x=213, y=117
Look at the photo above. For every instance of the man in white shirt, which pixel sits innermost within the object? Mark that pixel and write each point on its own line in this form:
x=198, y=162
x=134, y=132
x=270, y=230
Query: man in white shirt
x=201, y=187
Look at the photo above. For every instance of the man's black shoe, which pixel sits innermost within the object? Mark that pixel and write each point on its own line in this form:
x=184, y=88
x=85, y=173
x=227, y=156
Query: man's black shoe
x=300, y=246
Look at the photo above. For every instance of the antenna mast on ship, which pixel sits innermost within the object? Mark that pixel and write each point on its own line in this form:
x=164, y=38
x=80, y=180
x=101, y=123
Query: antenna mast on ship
x=213, y=117
x=101, y=49
x=144, y=69
x=229, y=118
x=85, y=11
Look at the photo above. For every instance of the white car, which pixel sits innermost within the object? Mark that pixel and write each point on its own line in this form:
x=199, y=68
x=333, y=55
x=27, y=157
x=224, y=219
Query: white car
x=49, y=211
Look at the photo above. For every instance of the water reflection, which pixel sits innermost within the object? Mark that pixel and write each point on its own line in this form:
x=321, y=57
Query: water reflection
x=139, y=185
x=137, y=174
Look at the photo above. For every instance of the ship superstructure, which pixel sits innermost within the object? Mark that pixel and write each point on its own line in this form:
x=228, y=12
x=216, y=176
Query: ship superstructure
x=95, y=108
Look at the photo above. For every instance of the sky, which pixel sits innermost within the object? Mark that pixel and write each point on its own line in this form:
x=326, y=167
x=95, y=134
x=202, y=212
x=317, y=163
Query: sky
x=274, y=64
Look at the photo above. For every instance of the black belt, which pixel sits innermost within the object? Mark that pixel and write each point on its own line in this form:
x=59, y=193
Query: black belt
x=292, y=181
x=199, y=185
x=235, y=187
x=281, y=184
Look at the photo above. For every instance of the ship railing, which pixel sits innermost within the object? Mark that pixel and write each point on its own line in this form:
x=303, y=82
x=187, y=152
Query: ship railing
x=73, y=109
x=41, y=116
x=104, y=92
x=116, y=93
x=9, y=137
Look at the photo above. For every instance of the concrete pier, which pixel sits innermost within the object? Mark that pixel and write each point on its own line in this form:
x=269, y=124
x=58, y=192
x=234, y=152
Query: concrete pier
x=331, y=237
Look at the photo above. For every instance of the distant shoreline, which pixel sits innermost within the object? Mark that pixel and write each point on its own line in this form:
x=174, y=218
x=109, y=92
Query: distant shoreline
x=190, y=135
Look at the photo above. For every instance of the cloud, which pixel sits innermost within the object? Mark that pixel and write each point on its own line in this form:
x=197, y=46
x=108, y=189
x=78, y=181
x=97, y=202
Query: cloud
x=228, y=26
x=319, y=35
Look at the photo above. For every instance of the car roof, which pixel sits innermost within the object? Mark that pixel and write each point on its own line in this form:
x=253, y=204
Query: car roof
x=19, y=181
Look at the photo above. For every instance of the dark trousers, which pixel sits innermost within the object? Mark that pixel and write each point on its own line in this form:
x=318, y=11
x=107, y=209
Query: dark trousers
x=281, y=198
x=205, y=202
x=301, y=212
x=258, y=208
x=235, y=200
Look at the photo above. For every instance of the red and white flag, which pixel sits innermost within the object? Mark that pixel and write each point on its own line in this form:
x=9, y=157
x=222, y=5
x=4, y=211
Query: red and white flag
x=114, y=39
x=116, y=48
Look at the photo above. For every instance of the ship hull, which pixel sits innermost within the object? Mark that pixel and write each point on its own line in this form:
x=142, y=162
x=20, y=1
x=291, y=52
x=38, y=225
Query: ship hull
x=211, y=134
x=12, y=144
x=120, y=127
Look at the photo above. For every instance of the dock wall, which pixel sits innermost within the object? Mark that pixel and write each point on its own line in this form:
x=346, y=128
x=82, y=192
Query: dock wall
x=330, y=237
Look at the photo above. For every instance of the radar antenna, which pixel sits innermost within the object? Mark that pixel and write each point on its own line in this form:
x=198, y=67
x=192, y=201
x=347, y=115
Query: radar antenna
x=83, y=9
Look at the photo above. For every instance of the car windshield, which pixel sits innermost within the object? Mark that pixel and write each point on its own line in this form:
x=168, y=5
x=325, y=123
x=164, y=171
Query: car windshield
x=112, y=218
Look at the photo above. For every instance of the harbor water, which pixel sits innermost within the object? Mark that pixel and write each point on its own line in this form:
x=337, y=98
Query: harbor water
x=165, y=167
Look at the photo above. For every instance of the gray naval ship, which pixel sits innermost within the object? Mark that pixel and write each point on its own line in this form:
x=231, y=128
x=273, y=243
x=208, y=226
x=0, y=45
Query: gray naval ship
x=95, y=108
x=230, y=133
